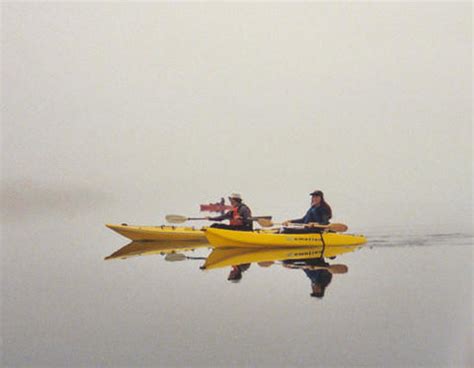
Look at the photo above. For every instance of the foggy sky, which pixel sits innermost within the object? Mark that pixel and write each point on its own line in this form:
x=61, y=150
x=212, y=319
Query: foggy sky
x=369, y=102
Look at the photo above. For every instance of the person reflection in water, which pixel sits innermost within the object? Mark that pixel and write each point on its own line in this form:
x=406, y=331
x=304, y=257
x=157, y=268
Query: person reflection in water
x=318, y=271
x=235, y=274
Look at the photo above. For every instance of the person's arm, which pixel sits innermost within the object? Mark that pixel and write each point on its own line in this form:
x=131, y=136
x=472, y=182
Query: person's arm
x=225, y=216
x=297, y=221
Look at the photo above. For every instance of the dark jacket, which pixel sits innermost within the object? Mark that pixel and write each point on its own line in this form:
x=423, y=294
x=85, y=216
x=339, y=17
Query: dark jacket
x=315, y=214
x=318, y=276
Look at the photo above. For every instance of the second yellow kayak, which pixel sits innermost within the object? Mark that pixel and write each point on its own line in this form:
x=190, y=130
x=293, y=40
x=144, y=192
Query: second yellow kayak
x=255, y=239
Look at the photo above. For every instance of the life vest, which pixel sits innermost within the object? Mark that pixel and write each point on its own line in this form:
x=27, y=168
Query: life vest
x=236, y=219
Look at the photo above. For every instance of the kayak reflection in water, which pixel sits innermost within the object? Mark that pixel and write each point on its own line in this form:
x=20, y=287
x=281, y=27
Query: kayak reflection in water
x=239, y=216
x=318, y=271
x=320, y=212
x=235, y=274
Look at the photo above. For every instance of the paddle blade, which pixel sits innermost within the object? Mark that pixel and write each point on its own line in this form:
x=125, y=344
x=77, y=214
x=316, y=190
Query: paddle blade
x=338, y=268
x=172, y=257
x=176, y=219
x=340, y=228
x=264, y=222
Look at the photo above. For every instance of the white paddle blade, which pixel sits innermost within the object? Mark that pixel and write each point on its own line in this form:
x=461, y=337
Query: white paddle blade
x=176, y=219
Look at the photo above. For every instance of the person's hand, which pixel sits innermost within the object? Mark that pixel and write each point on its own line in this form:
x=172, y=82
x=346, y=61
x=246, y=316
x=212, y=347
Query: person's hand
x=286, y=223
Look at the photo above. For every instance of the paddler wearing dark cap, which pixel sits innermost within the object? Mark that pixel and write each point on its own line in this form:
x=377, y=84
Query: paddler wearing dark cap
x=239, y=216
x=320, y=212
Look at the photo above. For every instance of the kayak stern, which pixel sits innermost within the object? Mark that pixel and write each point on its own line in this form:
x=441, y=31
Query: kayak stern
x=164, y=233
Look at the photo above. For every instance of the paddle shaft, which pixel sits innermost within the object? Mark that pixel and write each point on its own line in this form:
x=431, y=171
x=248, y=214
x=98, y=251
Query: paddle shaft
x=335, y=268
x=334, y=227
x=177, y=219
x=309, y=224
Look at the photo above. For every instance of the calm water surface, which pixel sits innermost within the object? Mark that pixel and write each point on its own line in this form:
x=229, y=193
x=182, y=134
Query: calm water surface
x=405, y=301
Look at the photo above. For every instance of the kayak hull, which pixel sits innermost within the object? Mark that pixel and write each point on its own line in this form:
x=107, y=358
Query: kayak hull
x=157, y=233
x=254, y=239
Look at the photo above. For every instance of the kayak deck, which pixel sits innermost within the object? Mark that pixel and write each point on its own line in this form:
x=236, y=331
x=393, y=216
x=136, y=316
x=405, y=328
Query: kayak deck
x=254, y=239
x=165, y=233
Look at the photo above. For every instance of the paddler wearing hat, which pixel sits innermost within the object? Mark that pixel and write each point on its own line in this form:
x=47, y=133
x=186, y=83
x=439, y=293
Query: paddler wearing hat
x=320, y=212
x=239, y=216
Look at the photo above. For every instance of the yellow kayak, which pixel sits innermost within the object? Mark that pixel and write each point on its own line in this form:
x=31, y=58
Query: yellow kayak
x=165, y=233
x=148, y=248
x=255, y=239
x=225, y=257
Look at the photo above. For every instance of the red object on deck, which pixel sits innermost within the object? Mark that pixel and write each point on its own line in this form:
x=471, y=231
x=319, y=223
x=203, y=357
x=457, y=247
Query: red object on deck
x=216, y=207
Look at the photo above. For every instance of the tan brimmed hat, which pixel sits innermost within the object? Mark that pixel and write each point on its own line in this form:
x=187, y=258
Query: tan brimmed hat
x=235, y=195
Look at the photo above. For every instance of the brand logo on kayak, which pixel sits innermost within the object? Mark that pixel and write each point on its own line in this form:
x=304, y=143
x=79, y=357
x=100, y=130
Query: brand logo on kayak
x=305, y=254
x=289, y=238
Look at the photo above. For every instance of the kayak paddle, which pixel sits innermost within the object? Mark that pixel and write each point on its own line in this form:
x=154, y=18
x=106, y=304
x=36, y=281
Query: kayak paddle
x=178, y=219
x=333, y=227
x=335, y=268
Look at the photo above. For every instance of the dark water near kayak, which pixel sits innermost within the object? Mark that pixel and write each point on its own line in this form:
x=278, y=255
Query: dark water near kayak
x=406, y=300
